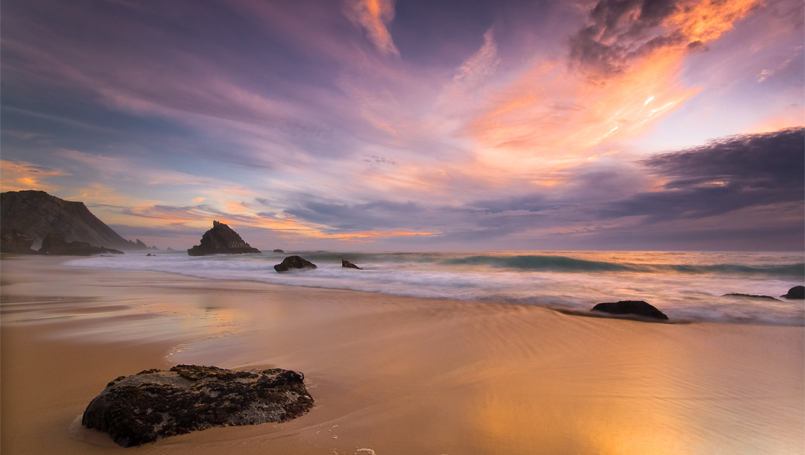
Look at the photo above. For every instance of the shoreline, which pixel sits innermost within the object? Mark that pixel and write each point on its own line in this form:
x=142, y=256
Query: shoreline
x=394, y=374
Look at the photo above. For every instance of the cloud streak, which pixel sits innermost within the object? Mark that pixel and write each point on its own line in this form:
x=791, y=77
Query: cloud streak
x=374, y=16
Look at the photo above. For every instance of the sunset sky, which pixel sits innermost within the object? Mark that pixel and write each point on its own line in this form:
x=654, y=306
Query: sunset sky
x=416, y=124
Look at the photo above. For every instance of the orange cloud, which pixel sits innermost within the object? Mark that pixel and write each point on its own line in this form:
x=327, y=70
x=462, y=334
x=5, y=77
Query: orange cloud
x=374, y=16
x=19, y=175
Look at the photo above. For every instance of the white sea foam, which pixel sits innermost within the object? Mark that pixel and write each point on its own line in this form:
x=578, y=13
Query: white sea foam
x=683, y=285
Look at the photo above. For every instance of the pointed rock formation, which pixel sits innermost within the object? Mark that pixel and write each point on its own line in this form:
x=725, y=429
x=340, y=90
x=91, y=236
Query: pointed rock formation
x=221, y=239
x=349, y=265
x=294, y=262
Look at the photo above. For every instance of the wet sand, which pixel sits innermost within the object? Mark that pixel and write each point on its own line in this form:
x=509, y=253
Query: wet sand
x=392, y=375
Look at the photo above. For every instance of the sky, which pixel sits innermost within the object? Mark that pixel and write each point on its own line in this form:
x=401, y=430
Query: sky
x=415, y=125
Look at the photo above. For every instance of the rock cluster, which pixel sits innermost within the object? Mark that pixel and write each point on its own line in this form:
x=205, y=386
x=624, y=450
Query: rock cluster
x=631, y=307
x=54, y=244
x=221, y=239
x=294, y=262
x=155, y=404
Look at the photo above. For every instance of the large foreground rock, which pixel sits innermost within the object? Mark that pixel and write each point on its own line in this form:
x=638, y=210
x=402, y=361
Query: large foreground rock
x=797, y=292
x=54, y=244
x=294, y=262
x=633, y=307
x=221, y=239
x=155, y=404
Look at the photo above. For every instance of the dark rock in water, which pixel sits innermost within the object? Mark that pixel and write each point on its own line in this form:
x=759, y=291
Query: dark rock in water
x=155, y=404
x=634, y=307
x=795, y=293
x=14, y=241
x=349, y=265
x=294, y=262
x=169, y=249
x=221, y=239
x=278, y=251
x=37, y=214
x=750, y=296
x=149, y=255
x=54, y=244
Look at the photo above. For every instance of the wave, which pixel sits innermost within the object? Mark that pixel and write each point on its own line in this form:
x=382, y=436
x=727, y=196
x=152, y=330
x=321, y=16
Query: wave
x=541, y=263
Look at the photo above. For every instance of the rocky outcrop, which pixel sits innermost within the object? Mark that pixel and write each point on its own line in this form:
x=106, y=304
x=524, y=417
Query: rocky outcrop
x=631, y=307
x=795, y=293
x=221, y=239
x=750, y=296
x=14, y=241
x=278, y=251
x=37, y=214
x=349, y=265
x=294, y=262
x=55, y=245
x=156, y=404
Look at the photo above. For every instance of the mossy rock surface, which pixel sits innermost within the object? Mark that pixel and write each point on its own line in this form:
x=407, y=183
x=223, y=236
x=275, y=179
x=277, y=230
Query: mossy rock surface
x=155, y=404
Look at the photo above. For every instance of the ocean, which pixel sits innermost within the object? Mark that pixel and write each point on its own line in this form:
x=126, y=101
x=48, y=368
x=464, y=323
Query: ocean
x=687, y=286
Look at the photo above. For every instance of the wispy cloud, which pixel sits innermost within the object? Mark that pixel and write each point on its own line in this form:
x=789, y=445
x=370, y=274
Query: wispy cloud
x=374, y=16
x=20, y=175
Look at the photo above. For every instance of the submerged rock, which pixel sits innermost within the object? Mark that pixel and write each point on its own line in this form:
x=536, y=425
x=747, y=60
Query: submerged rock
x=221, y=239
x=278, y=251
x=795, y=293
x=750, y=296
x=54, y=244
x=155, y=404
x=634, y=307
x=294, y=262
x=349, y=265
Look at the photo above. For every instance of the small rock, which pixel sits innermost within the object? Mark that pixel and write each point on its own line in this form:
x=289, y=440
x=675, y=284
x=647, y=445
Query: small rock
x=795, y=293
x=635, y=307
x=155, y=404
x=278, y=251
x=294, y=262
x=750, y=296
x=349, y=265
x=148, y=255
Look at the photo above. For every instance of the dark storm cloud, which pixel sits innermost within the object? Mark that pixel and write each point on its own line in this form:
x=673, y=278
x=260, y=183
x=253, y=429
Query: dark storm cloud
x=621, y=30
x=723, y=176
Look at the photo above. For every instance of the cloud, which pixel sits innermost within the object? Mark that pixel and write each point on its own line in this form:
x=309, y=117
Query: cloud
x=21, y=175
x=374, y=16
x=620, y=32
x=723, y=176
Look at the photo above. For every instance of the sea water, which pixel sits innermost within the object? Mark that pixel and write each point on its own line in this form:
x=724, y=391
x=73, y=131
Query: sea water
x=687, y=286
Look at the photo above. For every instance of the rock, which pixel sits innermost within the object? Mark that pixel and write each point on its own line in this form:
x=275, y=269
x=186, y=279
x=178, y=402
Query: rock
x=635, y=307
x=221, y=239
x=294, y=262
x=54, y=244
x=795, y=293
x=149, y=255
x=37, y=214
x=14, y=241
x=170, y=249
x=349, y=265
x=156, y=404
x=750, y=296
x=278, y=251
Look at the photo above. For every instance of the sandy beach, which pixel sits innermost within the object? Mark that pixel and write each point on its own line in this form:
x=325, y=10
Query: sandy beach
x=393, y=375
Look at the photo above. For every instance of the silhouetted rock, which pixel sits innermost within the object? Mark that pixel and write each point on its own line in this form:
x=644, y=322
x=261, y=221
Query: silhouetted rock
x=14, y=241
x=37, y=214
x=149, y=255
x=156, y=404
x=169, y=249
x=294, y=262
x=750, y=296
x=634, y=307
x=349, y=265
x=55, y=245
x=278, y=251
x=221, y=239
x=795, y=293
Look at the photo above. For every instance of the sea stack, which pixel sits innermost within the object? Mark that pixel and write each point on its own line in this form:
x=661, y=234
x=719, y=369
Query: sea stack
x=221, y=239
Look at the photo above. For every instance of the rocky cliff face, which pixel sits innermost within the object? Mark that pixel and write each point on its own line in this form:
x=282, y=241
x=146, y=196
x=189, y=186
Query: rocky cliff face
x=37, y=214
x=221, y=239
